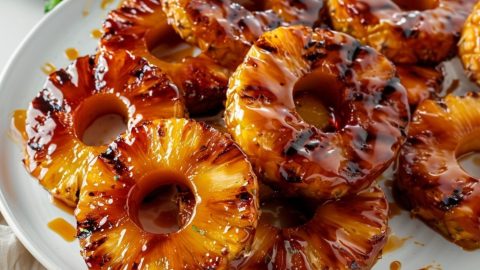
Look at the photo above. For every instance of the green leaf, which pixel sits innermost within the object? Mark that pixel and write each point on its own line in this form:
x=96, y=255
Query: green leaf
x=50, y=4
x=198, y=230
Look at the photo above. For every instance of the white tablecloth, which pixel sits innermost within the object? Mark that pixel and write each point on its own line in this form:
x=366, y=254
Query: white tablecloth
x=17, y=18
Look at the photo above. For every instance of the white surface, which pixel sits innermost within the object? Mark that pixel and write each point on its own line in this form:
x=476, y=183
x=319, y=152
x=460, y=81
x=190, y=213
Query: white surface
x=27, y=207
x=23, y=14
x=25, y=204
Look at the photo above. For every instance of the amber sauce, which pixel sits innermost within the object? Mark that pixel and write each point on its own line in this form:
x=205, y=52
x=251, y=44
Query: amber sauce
x=96, y=33
x=61, y=205
x=64, y=229
x=48, y=68
x=105, y=3
x=394, y=210
x=71, y=54
x=394, y=243
x=395, y=265
x=18, y=125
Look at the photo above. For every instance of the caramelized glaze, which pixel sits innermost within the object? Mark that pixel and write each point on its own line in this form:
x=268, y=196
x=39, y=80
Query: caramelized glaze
x=219, y=219
x=394, y=243
x=404, y=36
x=73, y=98
x=105, y=3
x=61, y=227
x=48, y=68
x=71, y=54
x=225, y=30
x=394, y=210
x=62, y=205
x=395, y=265
x=96, y=33
x=141, y=28
x=345, y=234
x=18, y=125
x=430, y=180
x=421, y=83
x=370, y=112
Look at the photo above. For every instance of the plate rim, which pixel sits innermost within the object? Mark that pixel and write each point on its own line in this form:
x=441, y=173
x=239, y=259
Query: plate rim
x=45, y=261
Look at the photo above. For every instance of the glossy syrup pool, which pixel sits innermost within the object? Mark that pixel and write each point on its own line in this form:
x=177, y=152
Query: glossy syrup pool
x=161, y=202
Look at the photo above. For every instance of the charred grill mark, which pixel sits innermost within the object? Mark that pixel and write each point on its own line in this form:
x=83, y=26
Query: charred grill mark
x=452, y=200
x=62, y=77
x=111, y=156
x=46, y=102
x=258, y=93
x=302, y=143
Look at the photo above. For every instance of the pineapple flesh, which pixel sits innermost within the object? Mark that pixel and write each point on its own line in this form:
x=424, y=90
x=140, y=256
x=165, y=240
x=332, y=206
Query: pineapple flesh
x=370, y=112
x=430, y=180
x=345, y=234
x=137, y=26
x=71, y=99
x=407, y=32
x=223, y=210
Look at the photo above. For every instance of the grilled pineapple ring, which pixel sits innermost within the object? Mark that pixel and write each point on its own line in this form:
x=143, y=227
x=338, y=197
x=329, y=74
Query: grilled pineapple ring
x=430, y=181
x=225, y=30
x=424, y=31
x=345, y=234
x=225, y=203
x=369, y=104
x=469, y=46
x=73, y=98
x=139, y=25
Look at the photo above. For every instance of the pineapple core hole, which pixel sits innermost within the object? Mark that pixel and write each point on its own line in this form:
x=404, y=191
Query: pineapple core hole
x=100, y=119
x=286, y=212
x=167, y=45
x=468, y=154
x=161, y=203
x=419, y=5
x=315, y=99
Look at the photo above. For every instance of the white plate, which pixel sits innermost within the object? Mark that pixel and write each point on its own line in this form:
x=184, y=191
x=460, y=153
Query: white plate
x=26, y=205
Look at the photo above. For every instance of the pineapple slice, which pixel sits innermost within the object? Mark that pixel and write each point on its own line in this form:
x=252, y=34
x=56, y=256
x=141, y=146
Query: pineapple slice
x=406, y=32
x=73, y=98
x=430, y=181
x=137, y=26
x=225, y=29
x=223, y=208
x=345, y=234
x=368, y=104
x=469, y=46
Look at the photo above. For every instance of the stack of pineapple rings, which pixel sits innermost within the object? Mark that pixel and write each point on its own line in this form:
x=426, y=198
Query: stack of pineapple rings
x=253, y=58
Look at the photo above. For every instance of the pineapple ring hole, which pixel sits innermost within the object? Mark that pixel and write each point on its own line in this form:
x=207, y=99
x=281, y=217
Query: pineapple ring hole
x=468, y=154
x=100, y=119
x=165, y=44
x=419, y=5
x=286, y=212
x=161, y=203
x=316, y=96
